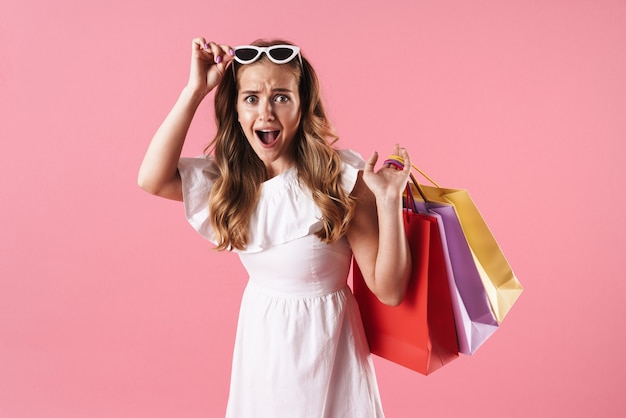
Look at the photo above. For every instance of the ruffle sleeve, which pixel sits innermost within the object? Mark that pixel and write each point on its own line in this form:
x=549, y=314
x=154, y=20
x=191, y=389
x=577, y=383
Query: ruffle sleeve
x=352, y=163
x=198, y=176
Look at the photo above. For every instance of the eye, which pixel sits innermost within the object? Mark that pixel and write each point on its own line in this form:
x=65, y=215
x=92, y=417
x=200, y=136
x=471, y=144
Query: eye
x=281, y=98
x=250, y=99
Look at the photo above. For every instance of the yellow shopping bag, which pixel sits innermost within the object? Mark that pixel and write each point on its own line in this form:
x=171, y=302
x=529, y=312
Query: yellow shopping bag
x=501, y=285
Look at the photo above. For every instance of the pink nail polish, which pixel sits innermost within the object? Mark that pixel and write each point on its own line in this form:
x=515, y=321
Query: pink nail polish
x=218, y=59
x=206, y=45
x=231, y=52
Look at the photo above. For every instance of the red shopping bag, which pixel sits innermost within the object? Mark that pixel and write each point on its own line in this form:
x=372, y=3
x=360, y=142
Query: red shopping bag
x=419, y=333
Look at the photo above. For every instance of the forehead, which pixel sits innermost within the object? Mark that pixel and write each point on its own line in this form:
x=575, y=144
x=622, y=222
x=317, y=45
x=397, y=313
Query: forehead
x=265, y=74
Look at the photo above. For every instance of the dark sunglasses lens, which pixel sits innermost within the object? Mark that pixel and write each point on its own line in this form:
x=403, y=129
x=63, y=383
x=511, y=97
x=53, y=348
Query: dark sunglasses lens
x=246, y=54
x=281, y=54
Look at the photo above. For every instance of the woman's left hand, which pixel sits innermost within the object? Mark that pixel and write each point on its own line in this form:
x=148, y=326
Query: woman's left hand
x=388, y=182
x=376, y=234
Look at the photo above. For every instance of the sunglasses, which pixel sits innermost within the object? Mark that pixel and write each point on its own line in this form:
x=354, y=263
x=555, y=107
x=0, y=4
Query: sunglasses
x=278, y=54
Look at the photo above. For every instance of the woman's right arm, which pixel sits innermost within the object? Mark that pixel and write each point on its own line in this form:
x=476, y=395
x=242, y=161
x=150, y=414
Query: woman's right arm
x=158, y=173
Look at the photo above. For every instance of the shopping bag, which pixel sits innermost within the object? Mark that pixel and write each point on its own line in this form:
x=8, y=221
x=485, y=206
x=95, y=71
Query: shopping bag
x=474, y=319
x=502, y=286
x=419, y=333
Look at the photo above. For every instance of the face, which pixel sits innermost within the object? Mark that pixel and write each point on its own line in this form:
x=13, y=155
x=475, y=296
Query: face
x=268, y=108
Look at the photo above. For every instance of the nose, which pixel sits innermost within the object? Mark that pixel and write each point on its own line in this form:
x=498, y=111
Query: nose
x=266, y=110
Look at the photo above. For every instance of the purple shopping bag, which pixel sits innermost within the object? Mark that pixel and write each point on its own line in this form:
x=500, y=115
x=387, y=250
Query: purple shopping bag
x=474, y=318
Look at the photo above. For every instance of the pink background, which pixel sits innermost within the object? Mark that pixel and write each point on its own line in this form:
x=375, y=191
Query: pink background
x=112, y=306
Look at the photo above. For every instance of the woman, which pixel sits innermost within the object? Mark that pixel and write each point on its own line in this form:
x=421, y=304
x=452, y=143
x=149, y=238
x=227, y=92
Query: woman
x=296, y=210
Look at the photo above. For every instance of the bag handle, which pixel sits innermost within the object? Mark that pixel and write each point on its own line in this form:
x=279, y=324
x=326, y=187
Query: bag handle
x=398, y=162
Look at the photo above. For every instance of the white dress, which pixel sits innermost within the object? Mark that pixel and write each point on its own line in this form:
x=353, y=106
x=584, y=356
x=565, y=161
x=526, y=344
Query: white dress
x=300, y=350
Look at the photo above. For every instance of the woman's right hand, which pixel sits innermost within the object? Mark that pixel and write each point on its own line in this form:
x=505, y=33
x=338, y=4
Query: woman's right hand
x=158, y=173
x=209, y=61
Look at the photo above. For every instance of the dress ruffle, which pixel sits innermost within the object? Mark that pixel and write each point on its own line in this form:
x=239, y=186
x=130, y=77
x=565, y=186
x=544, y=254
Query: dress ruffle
x=285, y=211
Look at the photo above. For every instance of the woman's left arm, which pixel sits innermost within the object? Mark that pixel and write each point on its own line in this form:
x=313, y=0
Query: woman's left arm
x=376, y=233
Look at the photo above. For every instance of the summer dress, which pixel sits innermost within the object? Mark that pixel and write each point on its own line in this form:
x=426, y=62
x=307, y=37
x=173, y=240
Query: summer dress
x=300, y=349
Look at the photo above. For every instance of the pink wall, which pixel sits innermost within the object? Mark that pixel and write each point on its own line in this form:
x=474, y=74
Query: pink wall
x=111, y=306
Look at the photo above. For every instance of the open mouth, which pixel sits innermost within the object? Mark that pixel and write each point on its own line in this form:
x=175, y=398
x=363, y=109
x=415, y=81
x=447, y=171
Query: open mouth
x=267, y=137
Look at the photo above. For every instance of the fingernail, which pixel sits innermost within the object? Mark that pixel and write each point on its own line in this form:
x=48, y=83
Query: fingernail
x=218, y=59
x=231, y=52
x=206, y=45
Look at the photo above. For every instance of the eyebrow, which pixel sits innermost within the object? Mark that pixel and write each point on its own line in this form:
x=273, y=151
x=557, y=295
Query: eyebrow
x=276, y=90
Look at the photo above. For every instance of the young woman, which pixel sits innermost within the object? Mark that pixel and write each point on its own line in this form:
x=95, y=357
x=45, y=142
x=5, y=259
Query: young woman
x=296, y=210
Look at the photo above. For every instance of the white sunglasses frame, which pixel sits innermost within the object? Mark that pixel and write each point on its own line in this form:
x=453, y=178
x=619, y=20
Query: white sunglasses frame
x=266, y=49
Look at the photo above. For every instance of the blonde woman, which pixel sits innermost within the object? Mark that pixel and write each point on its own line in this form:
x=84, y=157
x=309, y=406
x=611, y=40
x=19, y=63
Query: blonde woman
x=273, y=189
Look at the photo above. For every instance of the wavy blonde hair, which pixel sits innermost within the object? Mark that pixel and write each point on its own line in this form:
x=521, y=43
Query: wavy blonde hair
x=235, y=194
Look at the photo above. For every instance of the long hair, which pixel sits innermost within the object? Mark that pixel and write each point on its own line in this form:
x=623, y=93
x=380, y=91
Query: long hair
x=236, y=192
